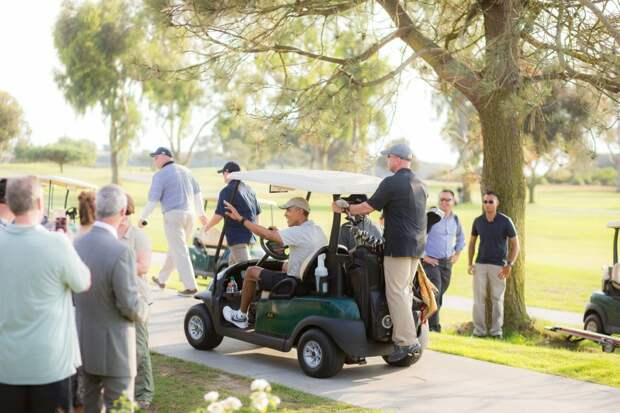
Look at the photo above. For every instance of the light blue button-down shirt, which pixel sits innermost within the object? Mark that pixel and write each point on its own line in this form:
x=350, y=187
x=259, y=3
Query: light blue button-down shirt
x=175, y=187
x=445, y=238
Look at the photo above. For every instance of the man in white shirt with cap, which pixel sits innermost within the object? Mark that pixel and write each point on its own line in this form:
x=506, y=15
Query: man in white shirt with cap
x=303, y=237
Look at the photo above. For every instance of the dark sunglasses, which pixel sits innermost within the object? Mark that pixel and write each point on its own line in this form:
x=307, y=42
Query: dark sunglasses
x=445, y=199
x=488, y=202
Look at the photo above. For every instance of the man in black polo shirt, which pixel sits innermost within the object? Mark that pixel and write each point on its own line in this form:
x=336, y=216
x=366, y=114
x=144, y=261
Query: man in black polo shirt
x=237, y=237
x=492, y=268
x=402, y=198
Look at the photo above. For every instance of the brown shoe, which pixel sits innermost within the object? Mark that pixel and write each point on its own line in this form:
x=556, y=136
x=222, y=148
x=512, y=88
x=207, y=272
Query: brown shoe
x=159, y=284
x=187, y=293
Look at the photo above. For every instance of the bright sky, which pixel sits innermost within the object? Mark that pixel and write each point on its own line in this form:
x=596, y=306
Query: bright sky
x=29, y=59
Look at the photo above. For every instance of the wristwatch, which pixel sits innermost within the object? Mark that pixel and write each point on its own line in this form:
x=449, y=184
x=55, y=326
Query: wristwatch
x=242, y=220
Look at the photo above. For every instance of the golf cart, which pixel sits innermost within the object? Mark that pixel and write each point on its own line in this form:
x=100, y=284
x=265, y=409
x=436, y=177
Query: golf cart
x=602, y=313
x=204, y=245
x=58, y=190
x=602, y=316
x=343, y=318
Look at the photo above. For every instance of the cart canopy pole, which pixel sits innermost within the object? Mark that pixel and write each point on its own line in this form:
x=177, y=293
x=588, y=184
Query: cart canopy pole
x=219, y=244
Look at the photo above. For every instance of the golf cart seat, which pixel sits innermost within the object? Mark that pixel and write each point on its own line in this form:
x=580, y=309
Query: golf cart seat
x=290, y=287
x=614, y=280
x=210, y=238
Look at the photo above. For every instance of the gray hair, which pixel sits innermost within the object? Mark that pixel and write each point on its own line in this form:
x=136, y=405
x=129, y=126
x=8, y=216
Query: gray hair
x=109, y=201
x=22, y=194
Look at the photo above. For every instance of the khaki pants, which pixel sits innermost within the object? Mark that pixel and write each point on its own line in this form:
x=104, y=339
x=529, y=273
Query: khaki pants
x=238, y=253
x=178, y=227
x=487, y=274
x=399, y=272
x=144, y=383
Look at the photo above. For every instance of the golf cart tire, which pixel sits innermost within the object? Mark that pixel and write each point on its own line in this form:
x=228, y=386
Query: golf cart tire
x=593, y=320
x=199, y=330
x=331, y=358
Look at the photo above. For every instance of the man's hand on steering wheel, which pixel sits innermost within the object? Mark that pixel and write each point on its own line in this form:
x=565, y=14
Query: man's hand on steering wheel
x=231, y=212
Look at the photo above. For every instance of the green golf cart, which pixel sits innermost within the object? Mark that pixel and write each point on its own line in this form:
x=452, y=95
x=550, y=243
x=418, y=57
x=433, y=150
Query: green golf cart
x=204, y=246
x=601, y=318
x=602, y=313
x=344, y=319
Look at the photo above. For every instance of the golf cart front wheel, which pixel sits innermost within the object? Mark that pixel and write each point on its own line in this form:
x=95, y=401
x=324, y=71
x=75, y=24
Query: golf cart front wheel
x=593, y=323
x=318, y=355
x=199, y=329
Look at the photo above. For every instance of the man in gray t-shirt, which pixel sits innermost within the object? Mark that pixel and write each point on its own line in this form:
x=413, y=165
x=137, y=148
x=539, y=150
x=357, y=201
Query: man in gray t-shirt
x=303, y=237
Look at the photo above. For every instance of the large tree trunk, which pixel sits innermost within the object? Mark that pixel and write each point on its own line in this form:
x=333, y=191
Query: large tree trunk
x=502, y=169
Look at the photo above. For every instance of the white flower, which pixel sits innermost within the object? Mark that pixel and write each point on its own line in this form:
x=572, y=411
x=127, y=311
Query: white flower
x=274, y=401
x=217, y=407
x=232, y=404
x=260, y=401
x=260, y=385
x=212, y=396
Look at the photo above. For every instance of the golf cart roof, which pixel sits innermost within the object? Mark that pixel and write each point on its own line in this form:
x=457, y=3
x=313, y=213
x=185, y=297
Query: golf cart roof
x=614, y=224
x=310, y=180
x=68, y=183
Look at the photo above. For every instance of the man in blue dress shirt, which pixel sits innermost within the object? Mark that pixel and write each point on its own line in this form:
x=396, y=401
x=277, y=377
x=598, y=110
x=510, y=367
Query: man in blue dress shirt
x=443, y=247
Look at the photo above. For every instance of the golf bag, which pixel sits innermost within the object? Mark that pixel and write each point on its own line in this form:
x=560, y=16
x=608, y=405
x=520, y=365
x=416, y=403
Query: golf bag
x=367, y=284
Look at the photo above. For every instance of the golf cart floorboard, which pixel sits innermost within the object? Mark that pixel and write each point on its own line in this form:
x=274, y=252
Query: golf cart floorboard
x=249, y=335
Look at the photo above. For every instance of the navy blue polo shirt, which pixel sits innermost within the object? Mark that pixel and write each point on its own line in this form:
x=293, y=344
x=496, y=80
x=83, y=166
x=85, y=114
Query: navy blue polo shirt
x=402, y=197
x=246, y=204
x=493, y=247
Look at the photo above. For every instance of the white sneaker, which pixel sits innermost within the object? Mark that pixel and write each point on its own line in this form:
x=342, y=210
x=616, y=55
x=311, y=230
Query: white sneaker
x=235, y=317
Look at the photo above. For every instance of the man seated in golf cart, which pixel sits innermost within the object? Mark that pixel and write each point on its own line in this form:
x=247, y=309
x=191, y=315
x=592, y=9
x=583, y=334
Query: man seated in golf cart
x=303, y=237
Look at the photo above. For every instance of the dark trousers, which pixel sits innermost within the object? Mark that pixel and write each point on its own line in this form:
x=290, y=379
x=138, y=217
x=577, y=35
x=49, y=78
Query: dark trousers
x=439, y=275
x=42, y=398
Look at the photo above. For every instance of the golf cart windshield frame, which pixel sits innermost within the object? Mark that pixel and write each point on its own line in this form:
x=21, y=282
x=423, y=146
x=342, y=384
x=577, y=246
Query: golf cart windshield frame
x=68, y=183
x=615, y=225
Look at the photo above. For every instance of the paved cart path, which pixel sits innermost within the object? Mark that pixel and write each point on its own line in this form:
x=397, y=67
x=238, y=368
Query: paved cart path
x=437, y=383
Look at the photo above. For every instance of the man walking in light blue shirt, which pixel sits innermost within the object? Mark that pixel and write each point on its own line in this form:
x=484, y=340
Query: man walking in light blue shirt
x=177, y=191
x=443, y=247
x=39, y=349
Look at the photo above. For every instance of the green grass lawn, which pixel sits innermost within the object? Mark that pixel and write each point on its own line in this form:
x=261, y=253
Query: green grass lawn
x=566, y=240
x=538, y=350
x=181, y=385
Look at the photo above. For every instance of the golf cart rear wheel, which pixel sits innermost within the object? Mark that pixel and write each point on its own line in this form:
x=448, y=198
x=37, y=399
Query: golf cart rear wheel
x=199, y=329
x=593, y=323
x=406, y=362
x=318, y=355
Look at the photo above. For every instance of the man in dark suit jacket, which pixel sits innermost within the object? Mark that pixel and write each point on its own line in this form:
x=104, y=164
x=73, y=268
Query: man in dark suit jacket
x=106, y=313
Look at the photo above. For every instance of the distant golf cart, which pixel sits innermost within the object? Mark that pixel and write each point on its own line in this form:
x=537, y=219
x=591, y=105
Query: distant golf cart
x=343, y=318
x=203, y=250
x=602, y=316
x=58, y=189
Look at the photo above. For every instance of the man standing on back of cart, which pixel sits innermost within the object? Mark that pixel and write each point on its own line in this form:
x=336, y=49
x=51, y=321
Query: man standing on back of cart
x=176, y=189
x=244, y=200
x=402, y=198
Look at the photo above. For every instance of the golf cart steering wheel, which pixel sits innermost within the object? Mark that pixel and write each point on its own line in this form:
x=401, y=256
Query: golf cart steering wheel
x=274, y=250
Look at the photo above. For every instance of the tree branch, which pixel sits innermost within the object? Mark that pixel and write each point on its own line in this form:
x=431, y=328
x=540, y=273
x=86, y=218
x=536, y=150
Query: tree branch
x=599, y=82
x=448, y=68
x=613, y=31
